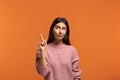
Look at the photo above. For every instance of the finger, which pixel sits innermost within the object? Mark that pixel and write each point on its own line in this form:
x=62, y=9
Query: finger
x=45, y=42
x=41, y=44
x=41, y=36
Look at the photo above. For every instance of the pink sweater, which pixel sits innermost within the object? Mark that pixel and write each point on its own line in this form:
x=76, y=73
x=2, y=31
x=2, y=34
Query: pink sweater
x=62, y=63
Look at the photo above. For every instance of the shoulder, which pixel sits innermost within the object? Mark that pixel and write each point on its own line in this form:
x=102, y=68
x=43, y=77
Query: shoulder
x=73, y=50
x=71, y=47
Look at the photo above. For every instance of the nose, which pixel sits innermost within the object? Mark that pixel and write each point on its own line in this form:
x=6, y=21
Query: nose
x=60, y=31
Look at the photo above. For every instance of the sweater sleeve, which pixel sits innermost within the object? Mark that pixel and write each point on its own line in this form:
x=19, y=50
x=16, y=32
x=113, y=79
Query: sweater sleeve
x=41, y=70
x=75, y=66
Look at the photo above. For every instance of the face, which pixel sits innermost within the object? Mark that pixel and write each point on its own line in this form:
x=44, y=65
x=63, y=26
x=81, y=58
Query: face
x=59, y=31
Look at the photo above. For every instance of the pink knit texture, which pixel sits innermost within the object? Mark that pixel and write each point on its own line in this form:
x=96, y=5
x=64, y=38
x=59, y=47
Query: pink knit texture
x=62, y=63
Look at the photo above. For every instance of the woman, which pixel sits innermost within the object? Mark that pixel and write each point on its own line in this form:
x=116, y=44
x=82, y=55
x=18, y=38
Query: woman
x=56, y=59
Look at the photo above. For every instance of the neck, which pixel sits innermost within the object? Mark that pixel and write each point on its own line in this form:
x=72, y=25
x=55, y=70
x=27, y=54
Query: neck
x=58, y=42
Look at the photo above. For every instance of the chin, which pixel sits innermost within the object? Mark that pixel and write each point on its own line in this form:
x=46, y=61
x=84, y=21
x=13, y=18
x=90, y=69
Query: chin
x=59, y=39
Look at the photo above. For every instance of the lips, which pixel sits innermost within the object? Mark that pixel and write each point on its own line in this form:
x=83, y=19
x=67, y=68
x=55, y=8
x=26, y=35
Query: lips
x=60, y=35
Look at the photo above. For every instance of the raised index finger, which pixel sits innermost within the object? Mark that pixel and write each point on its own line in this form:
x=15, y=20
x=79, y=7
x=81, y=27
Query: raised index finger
x=41, y=36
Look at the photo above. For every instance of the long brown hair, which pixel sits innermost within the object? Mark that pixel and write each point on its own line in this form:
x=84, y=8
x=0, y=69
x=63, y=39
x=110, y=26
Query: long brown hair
x=51, y=36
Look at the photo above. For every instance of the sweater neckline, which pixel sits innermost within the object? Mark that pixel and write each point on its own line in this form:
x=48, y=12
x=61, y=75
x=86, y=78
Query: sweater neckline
x=58, y=46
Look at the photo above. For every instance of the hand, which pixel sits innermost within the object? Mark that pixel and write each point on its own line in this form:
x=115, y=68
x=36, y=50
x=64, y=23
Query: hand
x=43, y=43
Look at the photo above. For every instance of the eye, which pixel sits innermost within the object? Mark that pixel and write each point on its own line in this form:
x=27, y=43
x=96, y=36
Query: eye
x=57, y=27
x=64, y=28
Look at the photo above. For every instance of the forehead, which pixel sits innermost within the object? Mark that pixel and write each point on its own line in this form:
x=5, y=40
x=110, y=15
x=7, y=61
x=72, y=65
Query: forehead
x=61, y=24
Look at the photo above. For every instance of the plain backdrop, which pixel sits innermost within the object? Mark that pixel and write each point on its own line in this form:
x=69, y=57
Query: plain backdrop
x=94, y=31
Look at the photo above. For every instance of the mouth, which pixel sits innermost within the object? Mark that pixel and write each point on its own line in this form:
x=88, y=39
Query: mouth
x=60, y=35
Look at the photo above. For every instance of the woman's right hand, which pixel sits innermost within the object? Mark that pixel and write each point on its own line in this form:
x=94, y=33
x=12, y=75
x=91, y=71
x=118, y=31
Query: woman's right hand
x=43, y=43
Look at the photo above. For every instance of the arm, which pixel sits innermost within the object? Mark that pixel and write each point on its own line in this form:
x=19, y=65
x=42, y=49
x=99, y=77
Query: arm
x=43, y=62
x=42, y=65
x=75, y=66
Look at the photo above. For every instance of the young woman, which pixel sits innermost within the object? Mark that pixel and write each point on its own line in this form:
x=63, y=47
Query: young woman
x=57, y=59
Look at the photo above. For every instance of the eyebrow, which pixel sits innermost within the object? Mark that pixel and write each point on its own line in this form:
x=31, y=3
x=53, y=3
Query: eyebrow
x=59, y=26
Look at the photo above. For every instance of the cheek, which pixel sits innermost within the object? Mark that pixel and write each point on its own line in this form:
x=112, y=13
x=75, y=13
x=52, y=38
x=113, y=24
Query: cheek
x=55, y=32
x=64, y=32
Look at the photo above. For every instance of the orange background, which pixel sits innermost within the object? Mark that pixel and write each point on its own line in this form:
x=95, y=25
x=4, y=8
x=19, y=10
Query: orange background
x=95, y=32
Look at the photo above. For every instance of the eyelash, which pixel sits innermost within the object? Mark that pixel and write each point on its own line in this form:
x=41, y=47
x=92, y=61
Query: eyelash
x=59, y=28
